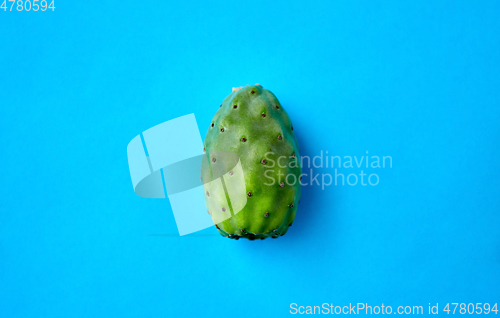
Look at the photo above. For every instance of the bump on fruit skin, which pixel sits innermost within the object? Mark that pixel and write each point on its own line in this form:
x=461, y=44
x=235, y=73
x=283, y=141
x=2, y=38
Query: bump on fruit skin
x=252, y=123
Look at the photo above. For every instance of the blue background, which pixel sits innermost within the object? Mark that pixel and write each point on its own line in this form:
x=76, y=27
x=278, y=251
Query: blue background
x=417, y=81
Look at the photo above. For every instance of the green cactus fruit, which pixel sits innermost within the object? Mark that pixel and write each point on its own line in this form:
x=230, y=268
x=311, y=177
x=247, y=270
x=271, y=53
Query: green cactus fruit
x=252, y=124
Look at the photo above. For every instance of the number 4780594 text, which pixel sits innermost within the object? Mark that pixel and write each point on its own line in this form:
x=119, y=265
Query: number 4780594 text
x=27, y=5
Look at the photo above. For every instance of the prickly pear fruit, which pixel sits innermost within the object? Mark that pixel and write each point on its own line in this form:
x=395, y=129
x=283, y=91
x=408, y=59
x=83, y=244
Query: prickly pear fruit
x=252, y=124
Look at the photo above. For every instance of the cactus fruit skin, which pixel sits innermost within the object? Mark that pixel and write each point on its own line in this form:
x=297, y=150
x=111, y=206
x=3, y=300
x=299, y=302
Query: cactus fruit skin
x=254, y=125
